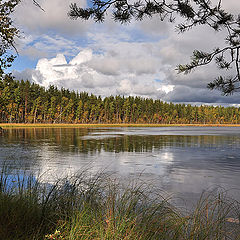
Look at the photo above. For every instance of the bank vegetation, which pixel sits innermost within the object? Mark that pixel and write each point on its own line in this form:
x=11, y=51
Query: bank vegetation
x=25, y=102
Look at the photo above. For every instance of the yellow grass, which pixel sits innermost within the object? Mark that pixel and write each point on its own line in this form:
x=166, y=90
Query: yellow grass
x=63, y=125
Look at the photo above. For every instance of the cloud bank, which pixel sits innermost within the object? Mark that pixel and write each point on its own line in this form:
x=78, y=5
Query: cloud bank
x=100, y=74
x=104, y=59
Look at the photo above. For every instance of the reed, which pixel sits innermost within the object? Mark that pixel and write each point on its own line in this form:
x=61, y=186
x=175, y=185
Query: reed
x=98, y=207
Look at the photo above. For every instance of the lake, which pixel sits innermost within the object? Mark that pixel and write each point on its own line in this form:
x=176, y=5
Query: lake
x=182, y=161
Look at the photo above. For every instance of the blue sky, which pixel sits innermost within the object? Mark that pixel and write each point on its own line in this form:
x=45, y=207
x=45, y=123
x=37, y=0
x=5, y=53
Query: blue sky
x=22, y=62
x=135, y=59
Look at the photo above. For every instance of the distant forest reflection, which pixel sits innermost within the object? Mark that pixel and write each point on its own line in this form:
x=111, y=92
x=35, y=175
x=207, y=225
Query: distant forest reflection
x=180, y=160
x=96, y=140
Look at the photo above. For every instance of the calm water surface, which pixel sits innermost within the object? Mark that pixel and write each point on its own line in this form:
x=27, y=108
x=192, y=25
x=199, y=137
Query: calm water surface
x=183, y=161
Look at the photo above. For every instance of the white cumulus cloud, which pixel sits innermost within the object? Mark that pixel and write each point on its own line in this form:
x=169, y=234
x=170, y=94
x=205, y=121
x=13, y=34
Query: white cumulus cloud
x=105, y=59
x=95, y=73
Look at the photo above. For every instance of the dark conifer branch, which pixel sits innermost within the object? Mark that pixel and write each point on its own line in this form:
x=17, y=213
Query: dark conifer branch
x=193, y=13
x=38, y=5
x=8, y=33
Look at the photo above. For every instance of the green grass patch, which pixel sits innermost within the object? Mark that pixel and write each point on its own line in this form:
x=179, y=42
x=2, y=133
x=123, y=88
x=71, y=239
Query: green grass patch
x=98, y=207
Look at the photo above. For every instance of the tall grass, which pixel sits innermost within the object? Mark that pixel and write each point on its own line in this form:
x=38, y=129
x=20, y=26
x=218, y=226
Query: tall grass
x=97, y=207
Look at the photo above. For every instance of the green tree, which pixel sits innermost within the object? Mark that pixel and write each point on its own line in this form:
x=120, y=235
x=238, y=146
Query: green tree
x=22, y=101
x=79, y=111
x=8, y=33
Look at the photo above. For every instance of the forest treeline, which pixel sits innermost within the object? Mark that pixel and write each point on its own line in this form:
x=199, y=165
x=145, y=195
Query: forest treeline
x=25, y=102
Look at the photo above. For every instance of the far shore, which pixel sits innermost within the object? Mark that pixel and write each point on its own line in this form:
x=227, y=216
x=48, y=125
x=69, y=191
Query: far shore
x=72, y=125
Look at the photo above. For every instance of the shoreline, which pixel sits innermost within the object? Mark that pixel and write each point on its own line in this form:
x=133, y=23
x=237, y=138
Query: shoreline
x=99, y=125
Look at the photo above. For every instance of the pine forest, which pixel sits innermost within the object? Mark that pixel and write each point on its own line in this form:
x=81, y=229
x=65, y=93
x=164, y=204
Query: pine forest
x=26, y=102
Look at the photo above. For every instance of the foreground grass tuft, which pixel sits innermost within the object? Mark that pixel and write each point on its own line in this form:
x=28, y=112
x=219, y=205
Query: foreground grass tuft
x=96, y=207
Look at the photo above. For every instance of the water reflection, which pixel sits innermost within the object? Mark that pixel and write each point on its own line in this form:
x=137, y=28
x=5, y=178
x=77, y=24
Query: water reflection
x=95, y=140
x=180, y=160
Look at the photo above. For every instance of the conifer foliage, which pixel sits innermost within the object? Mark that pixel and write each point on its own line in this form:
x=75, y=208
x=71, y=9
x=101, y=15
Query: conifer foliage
x=25, y=102
x=8, y=33
x=193, y=13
